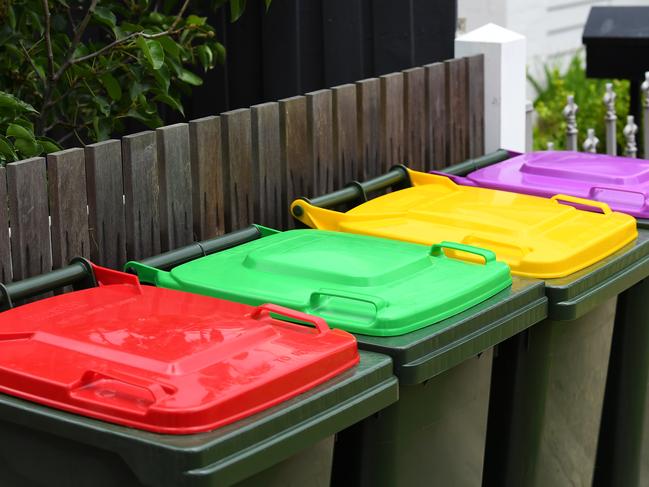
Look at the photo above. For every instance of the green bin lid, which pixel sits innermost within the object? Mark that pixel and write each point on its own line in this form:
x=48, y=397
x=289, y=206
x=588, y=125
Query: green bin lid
x=362, y=284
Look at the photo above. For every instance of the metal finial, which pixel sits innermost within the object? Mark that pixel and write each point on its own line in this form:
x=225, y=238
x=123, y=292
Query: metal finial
x=645, y=89
x=570, y=114
x=591, y=142
x=630, y=131
x=609, y=101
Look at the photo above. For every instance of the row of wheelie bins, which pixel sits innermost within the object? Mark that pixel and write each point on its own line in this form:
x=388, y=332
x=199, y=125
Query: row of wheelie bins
x=483, y=326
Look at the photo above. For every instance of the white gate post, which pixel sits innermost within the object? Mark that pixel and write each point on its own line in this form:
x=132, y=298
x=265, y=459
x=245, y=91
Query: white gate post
x=505, y=54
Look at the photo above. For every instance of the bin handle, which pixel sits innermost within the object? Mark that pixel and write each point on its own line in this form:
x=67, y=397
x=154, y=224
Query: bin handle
x=156, y=390
x=594, y=189
x=582, y=201
x=265, y=310
x=437, y=250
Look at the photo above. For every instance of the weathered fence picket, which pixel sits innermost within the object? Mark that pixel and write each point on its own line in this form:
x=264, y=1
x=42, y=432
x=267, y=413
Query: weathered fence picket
x=5, y=244
x=207, y=177
x=266, y=156
x=457, y=107
x=175, y=180
x=414, y=90
x=369, y=126
x=28, y=215
x=157, y=190
x=346, y=158
x=391, y=142
x=141, y=194
x=435, y=103
x=106, y=203
x=475, y=97
x=240, y=176
x=294, y=149
x=320, y=138
x=66, y=179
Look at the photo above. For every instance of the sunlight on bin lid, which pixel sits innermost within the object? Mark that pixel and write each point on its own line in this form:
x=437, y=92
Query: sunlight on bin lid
x=163, y=360
x=620, y=182
x=537, y=237
x=362, y=284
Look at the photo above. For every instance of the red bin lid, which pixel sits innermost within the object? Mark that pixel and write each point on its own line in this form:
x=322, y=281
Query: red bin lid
x=163, y=360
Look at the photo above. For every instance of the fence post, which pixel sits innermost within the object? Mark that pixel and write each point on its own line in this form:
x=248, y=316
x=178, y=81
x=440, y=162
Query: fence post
x=529, y=126
x=645, y=115
x=504, y=83
x=610, y=119
x=630, y=131
x=570, y=114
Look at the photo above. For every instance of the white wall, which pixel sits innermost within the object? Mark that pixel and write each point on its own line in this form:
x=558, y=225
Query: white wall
x=553, y=28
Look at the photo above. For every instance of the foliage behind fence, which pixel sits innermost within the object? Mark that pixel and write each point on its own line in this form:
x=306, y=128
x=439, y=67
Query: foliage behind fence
x=157, y=190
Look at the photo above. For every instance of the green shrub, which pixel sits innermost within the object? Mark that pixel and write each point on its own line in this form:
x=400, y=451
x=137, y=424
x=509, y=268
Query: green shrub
x=551, y=98
x=72, y=71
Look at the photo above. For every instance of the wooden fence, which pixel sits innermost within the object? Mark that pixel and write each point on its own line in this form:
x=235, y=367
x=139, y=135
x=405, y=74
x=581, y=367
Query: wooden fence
x=157, y=190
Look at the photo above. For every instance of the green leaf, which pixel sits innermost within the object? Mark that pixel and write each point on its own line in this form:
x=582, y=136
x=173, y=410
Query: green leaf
x=236, y=9
x=104, y=16
x=267, y=4
x=102, y=105
x=48, y=145
x=28, y=148
x=152, y=51
x=163, y=78
x=196, y=20
x=170, y=46
x=156, y=17
x=35, y=21
x=135, y=89
x=9, y=101
x=220, y=53
x=170, y=101
x=151, y=121
x=11, y=17
x=7, y=151
x=23, y=122
x=19, y=132
x=190, y=78
x=59, y=23
x=205, y=56
x=112, y=86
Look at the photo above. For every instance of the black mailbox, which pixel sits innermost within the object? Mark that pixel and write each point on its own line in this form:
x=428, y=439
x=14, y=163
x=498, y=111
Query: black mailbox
x=617, y=42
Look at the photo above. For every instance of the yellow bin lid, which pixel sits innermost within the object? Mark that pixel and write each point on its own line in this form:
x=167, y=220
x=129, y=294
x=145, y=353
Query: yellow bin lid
x=537, y=237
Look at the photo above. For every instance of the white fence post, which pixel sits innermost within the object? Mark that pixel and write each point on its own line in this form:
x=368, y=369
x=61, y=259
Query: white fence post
x=529, y=126
x=505, y=101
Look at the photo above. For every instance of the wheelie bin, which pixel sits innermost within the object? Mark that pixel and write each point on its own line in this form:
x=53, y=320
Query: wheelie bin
x=121, y=384
x=549, y=383
x=436, y=316
x=623, y=184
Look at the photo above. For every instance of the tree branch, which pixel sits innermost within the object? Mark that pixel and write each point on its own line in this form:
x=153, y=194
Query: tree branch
x=170, y=31
x=78, y=34
x=124, y=40
x=48, y=38
x=181, y=12
x=31, y=61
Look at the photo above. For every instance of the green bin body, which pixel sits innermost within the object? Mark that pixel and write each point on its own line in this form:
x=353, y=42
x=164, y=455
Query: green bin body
x=569, y=395
x=624, y=436
x=435, y=435
x=287, y=445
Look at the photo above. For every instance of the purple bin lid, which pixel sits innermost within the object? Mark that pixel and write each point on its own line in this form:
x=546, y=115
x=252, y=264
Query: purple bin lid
x=620, y=182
